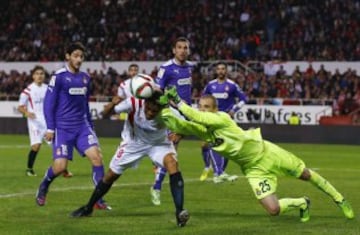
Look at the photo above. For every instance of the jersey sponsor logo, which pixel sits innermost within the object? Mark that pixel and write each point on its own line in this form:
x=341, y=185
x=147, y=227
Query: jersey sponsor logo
x=184, y=81
x=52, y=80
x=77, y=91
x=222, y=95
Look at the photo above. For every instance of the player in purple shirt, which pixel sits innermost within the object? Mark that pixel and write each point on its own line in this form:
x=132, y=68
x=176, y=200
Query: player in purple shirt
x=175, y=72
x=230, y=98
x=68, y=120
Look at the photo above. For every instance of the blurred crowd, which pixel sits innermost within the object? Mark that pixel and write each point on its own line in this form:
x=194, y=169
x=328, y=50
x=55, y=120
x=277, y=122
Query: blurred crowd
x=309, y=87
x=244, y=30
x=142, y=30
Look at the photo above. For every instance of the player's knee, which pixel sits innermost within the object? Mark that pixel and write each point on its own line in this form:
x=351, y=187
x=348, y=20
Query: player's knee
x=273, y=210
x=35, y=147
x=170, y=163
x=305, y=174
x=96, y=159
x=58, y=168
x=110, y=177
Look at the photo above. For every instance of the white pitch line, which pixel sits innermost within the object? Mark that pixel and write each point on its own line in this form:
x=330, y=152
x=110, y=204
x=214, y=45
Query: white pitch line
x=10, y=146
x=139, y=184
x=13, y=195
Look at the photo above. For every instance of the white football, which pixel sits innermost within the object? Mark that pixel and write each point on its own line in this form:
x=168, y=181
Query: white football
x=142, y=86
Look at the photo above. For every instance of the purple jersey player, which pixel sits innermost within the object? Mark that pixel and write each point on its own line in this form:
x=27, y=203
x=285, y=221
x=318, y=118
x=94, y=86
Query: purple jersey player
x=68, y=121
x=175, y=72
x=230, y=98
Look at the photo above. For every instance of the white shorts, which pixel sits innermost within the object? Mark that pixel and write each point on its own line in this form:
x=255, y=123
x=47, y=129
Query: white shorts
x=129, y=155
x=37, y=131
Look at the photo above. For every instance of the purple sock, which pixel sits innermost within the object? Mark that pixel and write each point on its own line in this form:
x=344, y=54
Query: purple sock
x=218, y=162
x=48, y=178
x=159, y=178
x=206, y=157
x=98, y=174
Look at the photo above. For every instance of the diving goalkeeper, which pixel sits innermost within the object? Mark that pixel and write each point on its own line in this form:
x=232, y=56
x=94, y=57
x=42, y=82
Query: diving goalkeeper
x=261, y=161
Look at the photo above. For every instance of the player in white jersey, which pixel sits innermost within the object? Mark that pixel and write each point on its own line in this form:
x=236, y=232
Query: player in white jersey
x=31, y=105
x=144, y=134
x=123, y=92
x=124, y=87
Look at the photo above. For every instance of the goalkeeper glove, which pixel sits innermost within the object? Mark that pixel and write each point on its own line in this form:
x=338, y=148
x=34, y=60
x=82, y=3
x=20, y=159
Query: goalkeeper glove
x=163, y=100
x=172, y=94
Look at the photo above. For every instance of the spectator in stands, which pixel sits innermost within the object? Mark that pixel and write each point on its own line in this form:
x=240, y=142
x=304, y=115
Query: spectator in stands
x=289, y=30
x=294, y=119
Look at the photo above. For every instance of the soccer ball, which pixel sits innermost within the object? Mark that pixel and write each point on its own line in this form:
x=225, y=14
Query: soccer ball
x=142, y=86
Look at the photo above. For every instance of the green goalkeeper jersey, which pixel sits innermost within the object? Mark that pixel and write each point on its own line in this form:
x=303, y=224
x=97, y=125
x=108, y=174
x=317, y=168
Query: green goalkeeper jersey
x=220, y=131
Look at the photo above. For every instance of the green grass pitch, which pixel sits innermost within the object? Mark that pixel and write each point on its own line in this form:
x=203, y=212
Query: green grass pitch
x=228, y=208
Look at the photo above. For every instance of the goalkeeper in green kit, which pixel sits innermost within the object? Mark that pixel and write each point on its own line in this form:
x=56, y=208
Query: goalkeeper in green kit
x=261, y=161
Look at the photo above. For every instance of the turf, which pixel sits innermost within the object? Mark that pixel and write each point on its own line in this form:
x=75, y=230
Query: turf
x=228, y=208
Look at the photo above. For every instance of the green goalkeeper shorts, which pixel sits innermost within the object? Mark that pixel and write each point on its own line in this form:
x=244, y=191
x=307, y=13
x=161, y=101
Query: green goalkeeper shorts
x=276, y=161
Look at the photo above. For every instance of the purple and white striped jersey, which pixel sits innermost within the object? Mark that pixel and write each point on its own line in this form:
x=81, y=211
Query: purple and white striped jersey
x=173, y=74
x=66, y=103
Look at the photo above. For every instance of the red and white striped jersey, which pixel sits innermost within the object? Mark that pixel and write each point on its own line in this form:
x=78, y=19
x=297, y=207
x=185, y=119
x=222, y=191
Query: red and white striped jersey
x=124, y=89
x=137, y=128
x=32, y=97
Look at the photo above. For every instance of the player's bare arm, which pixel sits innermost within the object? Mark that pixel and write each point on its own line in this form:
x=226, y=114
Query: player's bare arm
x=109, y=108
x=23, y=110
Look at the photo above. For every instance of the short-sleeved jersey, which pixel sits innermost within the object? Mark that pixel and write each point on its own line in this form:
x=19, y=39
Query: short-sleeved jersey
x=124, y=89
x=66, y=103
x=136, y=127
x=32, y=97
x=225, y=93
x=173, y=74
x=220, y=131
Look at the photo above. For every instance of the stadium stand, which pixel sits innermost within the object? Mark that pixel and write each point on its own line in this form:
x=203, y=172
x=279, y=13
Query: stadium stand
x=128, y=30
x=143, y=30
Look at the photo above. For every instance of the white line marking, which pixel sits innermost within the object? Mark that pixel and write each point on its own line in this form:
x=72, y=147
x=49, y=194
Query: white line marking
x=18, y=146
x=89, y=188
x=11, y=195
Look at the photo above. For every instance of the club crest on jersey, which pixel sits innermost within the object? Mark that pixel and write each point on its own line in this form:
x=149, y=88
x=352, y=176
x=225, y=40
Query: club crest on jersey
x=85, y=80
x=161, y=73
x=52, y=80
x=227, y=88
